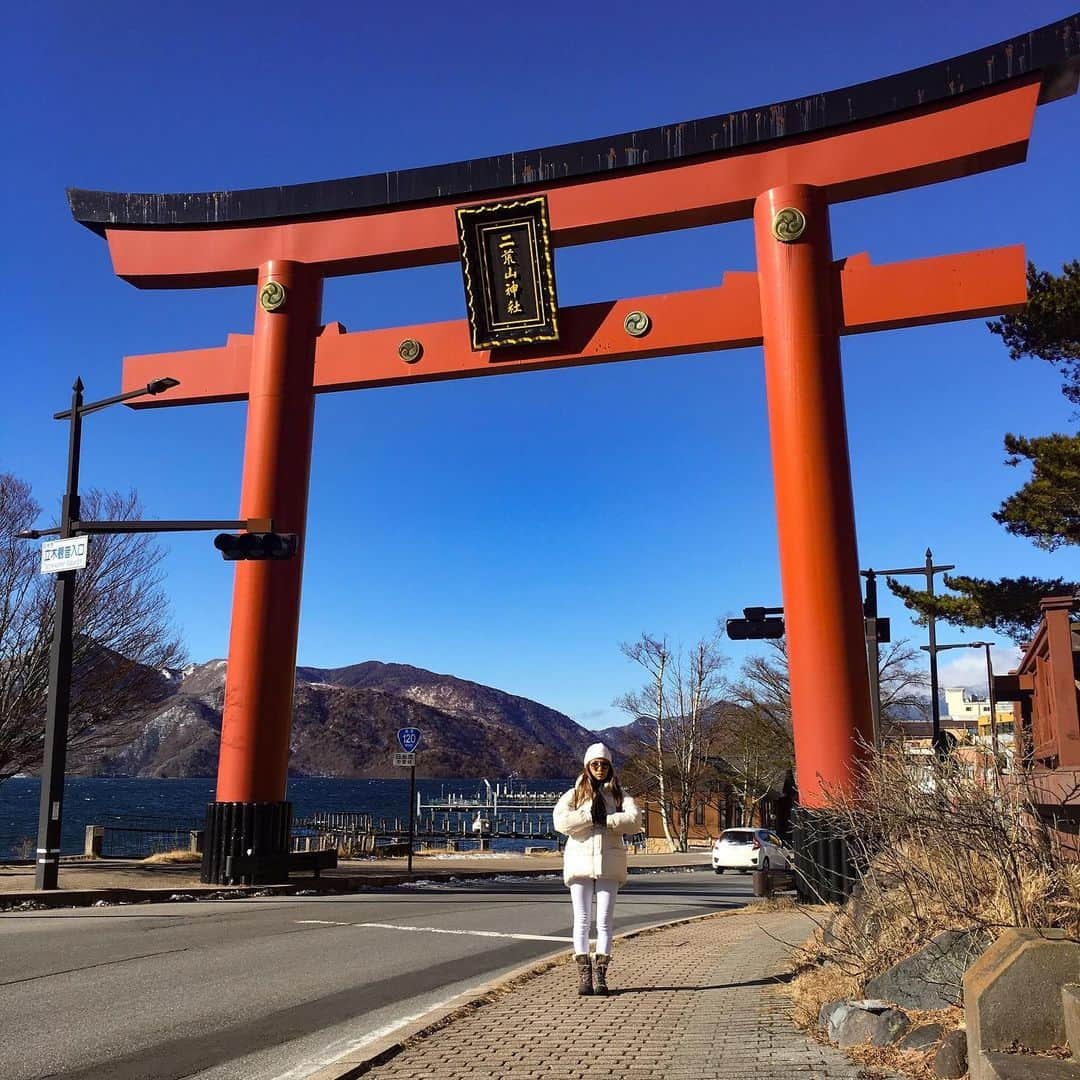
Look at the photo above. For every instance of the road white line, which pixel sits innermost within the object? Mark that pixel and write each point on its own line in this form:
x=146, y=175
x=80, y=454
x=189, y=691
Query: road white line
x=319, y=922
x=465, y=933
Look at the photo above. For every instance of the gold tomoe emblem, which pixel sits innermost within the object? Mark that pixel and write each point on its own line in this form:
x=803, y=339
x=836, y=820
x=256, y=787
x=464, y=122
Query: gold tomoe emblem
x=272, y=296
x=637, y=324
x=410, y=350
x=788, y=225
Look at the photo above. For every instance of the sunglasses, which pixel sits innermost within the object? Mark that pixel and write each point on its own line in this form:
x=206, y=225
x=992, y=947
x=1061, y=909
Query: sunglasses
x=600, y=763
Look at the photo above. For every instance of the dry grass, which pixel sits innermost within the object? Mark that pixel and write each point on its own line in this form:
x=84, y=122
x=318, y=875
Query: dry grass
x=178, y=855
x=813, y=988
x=887, y=1059
x=776, y=903
x=937, y=851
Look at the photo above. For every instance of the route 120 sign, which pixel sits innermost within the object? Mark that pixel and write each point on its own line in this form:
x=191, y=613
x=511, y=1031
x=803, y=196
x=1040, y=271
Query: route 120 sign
x=409, y=738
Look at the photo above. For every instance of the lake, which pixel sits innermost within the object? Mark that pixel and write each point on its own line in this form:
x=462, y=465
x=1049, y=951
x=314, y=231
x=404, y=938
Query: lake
x=182, y=803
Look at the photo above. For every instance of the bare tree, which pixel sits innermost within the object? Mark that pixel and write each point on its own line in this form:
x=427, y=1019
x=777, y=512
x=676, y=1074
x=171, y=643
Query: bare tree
x=122, y=634
x=757, y=752
x=676, y=706
x=758, y=743
x=903, y=681
x=765, y=687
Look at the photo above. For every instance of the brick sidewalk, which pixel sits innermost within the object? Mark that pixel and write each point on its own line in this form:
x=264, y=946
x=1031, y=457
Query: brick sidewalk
x=690, y=1002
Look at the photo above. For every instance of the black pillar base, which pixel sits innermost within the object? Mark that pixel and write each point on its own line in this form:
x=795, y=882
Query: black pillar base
x=256, y=832
x=824, y=869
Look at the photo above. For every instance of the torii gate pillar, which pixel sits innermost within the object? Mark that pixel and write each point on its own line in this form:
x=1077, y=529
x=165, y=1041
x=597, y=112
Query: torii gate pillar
x=257, y=715
x=815, y=513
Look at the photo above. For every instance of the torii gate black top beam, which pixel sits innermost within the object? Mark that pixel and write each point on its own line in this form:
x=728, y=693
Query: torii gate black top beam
x=1053, y=50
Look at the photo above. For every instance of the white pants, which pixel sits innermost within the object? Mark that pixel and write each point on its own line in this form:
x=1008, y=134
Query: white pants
x=581, y=895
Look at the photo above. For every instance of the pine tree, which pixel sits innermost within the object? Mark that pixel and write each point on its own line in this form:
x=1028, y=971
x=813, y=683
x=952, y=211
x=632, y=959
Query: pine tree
x=1008, y=606
x=1047, y=508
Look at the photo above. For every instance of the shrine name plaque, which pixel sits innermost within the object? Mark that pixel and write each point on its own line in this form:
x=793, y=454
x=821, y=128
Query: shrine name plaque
x=509, y=273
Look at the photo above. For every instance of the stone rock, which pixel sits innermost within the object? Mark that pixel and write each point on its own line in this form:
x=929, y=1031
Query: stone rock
x=874, y=1005
x=837, y=1017
x=877, y=1028
x=999, y=1066
x=841, y=1009
x=931, y=978
x=923, y=1038
x=1070, y=1006
x=825, y=1012
x=1012, y=993
x=951, y=1060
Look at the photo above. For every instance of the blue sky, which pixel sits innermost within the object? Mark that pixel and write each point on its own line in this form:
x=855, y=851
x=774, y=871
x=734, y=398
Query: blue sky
x=511, y=531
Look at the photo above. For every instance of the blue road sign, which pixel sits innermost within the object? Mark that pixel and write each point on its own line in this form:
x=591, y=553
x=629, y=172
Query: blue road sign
x=408, y=737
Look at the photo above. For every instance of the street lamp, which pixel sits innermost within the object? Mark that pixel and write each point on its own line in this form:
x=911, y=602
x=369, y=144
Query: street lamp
x=54, y=760
x=987, y=645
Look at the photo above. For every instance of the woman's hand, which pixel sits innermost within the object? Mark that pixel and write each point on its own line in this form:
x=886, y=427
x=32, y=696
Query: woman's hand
x=599, y=809
x=626, y=821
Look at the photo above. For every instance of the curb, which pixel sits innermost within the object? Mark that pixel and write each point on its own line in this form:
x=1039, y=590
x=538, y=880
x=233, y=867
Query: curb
x=379, y=1051
x=34, y=899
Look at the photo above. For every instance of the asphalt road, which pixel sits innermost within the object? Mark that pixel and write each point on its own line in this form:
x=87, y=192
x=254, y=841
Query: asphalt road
x=271, y=988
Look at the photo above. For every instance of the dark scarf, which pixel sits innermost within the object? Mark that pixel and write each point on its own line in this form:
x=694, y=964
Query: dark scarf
x=599, y=807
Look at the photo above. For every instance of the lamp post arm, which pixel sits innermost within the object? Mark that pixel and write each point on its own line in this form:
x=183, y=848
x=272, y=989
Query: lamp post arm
x=257, y=525
x=908, y=570
x=155, y=387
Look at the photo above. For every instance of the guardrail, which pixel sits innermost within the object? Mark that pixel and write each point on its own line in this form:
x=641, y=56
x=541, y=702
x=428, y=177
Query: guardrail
x=137, y=841
x=142, y=841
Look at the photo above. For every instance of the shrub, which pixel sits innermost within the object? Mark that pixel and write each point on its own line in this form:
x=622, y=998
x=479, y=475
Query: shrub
x=938, y=846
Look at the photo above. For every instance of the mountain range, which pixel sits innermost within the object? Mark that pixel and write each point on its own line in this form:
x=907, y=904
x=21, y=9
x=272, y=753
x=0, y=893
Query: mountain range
x=345, y=722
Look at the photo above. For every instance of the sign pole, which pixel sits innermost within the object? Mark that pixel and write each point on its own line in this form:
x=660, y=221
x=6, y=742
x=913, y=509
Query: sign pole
x=412, y=811
x=408, y=739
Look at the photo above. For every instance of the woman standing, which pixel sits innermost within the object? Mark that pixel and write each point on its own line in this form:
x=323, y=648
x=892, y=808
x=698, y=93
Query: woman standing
x=595, y=815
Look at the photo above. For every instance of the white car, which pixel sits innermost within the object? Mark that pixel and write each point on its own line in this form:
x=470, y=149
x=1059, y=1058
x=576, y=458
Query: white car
x=750, y=849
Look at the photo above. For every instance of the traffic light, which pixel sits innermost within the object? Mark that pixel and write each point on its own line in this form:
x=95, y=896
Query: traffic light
x=745, y=629
x=251, y=545
x=756, y=624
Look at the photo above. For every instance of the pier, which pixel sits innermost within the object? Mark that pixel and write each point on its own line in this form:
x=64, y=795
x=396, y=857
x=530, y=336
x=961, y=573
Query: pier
x=500, y=811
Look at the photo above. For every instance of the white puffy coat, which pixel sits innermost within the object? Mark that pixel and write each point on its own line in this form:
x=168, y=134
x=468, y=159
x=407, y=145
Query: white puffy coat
x=595, y=851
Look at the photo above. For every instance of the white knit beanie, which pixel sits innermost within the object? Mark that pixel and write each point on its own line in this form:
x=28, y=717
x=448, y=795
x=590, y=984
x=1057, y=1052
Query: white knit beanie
x=597, y=750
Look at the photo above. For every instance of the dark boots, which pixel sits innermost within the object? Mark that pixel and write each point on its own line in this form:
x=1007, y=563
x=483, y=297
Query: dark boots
x=584, y=975
x=588, y=967
x=601, y=966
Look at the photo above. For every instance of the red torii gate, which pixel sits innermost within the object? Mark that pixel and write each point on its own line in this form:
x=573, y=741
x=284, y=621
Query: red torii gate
x=782, y=164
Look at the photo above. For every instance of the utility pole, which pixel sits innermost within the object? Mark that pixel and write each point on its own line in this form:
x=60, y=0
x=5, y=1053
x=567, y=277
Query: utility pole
x=936, y=736
x=54, y=761
x=870, y=621
x=929, y=570
x=58, y=703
